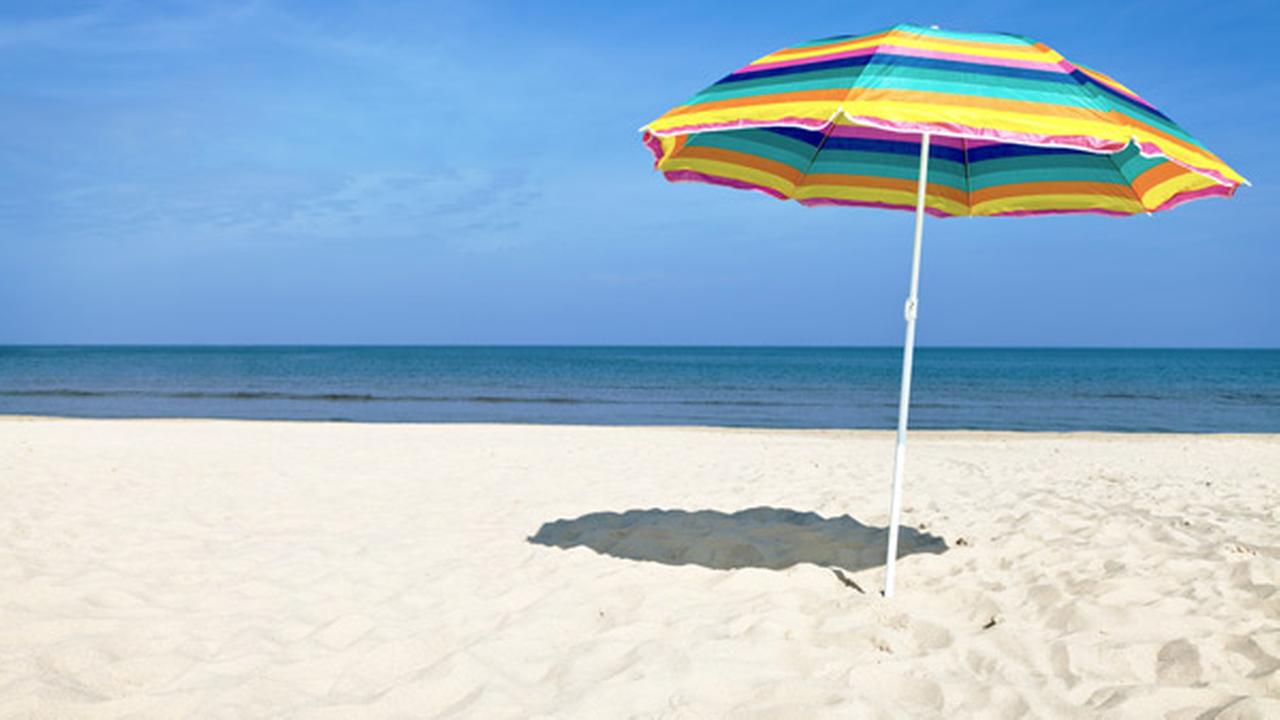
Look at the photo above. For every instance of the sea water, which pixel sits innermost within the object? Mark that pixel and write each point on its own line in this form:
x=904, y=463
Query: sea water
x=1009, y=389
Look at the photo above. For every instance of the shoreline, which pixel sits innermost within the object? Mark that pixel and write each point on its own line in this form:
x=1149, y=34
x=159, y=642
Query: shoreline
x=914, y=432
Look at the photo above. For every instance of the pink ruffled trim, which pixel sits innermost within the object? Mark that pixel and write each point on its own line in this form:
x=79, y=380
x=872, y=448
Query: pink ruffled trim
x=652, y=142
x=1063, y=211
x=823, y=202
x=1211, y=191
x=1152, y=150
x=1176, y=200
x=1076, y=142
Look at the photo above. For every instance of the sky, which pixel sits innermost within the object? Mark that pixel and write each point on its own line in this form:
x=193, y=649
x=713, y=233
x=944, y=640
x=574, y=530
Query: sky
x=471, y=173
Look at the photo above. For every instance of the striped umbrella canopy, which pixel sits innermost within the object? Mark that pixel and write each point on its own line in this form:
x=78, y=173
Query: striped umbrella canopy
x=945, y=123
x=1016, y=130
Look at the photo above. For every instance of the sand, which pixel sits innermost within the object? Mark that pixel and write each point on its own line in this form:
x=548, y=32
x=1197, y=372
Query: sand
x=214, y=569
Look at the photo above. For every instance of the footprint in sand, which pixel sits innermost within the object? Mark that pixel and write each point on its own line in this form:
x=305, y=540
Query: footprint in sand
x=1178, y=663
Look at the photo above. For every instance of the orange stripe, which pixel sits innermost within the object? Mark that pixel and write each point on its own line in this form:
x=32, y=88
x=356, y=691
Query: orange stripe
x=1014, y=190
x=1156, y=175
x=746, y=160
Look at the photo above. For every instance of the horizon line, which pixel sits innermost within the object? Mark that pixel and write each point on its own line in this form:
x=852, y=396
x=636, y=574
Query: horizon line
x=744, y=346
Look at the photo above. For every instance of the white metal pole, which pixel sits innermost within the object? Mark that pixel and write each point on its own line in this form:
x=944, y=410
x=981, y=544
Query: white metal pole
x=908, y=351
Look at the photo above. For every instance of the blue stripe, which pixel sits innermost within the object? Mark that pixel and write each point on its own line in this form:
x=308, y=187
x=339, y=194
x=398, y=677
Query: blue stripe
x=1086, y=80
x=992, y=152
x=937, y=152
x=906, y=147
x=813, y=137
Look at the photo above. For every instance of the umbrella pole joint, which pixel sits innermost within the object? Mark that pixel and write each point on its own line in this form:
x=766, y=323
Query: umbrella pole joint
x=908, y=353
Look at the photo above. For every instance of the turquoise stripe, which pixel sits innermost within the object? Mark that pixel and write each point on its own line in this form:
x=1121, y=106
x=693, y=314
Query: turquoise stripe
x=1132, y=164
x=793, y=153
x=1073, y=160
x=942, y=33
x=897, y=77
x=1155, y=121
x=888, y=165
x=771, y=86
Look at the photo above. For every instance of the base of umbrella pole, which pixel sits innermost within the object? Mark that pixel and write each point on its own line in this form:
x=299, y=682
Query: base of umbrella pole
x=908, y=353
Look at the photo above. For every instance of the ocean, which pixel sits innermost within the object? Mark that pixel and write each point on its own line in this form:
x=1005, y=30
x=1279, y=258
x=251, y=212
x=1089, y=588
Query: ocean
x=996, y=389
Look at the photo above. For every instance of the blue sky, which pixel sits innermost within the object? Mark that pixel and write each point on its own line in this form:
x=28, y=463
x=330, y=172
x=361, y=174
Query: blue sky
x=418, y=172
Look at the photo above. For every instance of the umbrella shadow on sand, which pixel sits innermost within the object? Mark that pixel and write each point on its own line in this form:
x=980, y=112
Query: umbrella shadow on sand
x=762, y=537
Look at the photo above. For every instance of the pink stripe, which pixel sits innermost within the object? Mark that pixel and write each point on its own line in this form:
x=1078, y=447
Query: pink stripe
x=1065, y=211
x=806, y=123
x=862, y=132
x=821, y=202
x=1082, y=142
x=807, y=60
x=890, y=49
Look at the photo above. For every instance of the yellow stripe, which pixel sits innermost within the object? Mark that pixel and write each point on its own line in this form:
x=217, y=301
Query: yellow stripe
x=772, y=112
x=1157, y=194
x=1024, y=203
x=731, y=171
x=880, y=195
x=1188, y=154
x=1105, y=79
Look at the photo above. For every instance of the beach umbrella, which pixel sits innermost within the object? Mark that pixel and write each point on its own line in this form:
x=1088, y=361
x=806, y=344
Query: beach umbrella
x=939, y=122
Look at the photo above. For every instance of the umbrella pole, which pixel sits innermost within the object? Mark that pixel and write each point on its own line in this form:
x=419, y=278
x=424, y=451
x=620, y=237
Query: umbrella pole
x=908, y=351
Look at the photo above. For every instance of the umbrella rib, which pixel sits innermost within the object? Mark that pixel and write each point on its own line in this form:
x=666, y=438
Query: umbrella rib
x=831, y=127
x=1128, y=185
x=804, y=176
x=968, y=189
x=1105, y=106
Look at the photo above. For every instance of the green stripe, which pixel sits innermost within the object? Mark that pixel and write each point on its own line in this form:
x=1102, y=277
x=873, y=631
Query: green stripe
x=1132, y=164
x=990, y=38
x=771, y=146
x=757, y=87
x=888, y=165
x=958, y=82
x=1146, y=118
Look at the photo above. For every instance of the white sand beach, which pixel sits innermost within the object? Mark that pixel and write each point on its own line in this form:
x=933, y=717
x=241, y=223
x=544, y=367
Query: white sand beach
x=227, y=569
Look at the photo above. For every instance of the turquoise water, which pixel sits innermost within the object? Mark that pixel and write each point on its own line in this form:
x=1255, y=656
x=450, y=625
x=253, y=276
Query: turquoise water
x=1013, y=389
